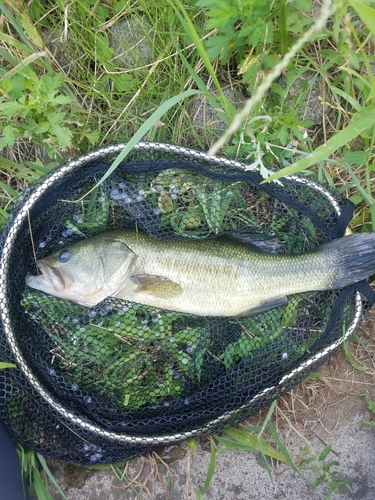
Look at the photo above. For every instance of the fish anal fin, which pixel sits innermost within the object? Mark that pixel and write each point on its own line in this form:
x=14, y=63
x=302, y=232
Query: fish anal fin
x=263, y=306
x=159, y=286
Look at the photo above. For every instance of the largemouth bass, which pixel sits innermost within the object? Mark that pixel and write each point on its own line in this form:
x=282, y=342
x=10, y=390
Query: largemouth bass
x=215, y=277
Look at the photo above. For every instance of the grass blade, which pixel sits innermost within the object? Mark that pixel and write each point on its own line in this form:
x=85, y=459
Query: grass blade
x=150, y=122
x=283, y=29
x=41, y=490
x=16, y=26
x=262, y=452
x=370, y=403
x=233, y=444
x=268, y=416
x=25, y=62
x=6, y=365
x=360, y=122
x=12, y=192
x=351, y=100
x=211, y=468
x=40, y=168
x=50, y=476
x=350, y=359
x=122, y=477
x=191, y=31
x=198, y=495
x=214, y=102
x=252, y=442
x=366, y=13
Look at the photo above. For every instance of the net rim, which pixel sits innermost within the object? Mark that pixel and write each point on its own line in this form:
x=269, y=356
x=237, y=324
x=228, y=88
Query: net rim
x=77, y=420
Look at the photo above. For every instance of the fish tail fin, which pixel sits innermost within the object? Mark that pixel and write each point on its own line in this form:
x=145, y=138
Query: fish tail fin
x=355, y=258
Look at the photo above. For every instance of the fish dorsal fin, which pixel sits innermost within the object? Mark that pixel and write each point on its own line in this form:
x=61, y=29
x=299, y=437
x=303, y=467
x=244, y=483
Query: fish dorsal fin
x=160, y=286
x=259, y=242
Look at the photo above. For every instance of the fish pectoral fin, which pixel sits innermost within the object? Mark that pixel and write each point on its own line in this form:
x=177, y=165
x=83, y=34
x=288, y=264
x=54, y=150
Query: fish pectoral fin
x=156, y=285
x=266, y=305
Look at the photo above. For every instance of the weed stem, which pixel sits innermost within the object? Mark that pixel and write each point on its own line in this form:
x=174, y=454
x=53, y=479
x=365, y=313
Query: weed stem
x=328, y=8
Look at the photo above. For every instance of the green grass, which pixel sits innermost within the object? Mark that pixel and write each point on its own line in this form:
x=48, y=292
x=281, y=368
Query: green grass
x=64, y=90
x=371, y=406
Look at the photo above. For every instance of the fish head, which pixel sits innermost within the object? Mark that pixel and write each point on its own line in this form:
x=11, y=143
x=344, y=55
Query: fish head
x=86, y=272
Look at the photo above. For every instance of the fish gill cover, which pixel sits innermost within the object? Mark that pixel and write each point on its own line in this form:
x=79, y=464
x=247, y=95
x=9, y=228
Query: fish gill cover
x=106, y=383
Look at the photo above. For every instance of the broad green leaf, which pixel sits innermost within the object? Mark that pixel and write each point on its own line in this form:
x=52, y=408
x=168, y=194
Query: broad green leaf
x=356, y=157
x=61, y=99
x=42, y=128
x=10, y=109
x=9, y=134
x=123, y=83
x=101, y=11
x=13, y=87
x=103, y=48
x=360, y=122
x=56, y=118
x=324, y=453
x=259, y=32
x=220, y=46
x=221, y=16
x=63, y=135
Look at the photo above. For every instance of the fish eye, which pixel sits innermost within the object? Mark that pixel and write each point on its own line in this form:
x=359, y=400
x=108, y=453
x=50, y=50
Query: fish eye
x=65, y=256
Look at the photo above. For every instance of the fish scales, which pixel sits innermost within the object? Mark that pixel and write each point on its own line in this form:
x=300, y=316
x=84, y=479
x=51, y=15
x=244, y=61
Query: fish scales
x=211, y=277
x=239, y=276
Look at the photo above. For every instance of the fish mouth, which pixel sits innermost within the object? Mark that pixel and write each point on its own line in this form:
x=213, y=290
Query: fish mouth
x=49, y=278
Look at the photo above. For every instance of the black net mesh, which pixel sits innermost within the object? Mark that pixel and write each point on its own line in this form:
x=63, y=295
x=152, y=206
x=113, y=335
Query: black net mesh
x=104, y=384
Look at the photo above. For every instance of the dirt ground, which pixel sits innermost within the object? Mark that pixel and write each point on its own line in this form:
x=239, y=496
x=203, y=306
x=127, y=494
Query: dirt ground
x=327, y=410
